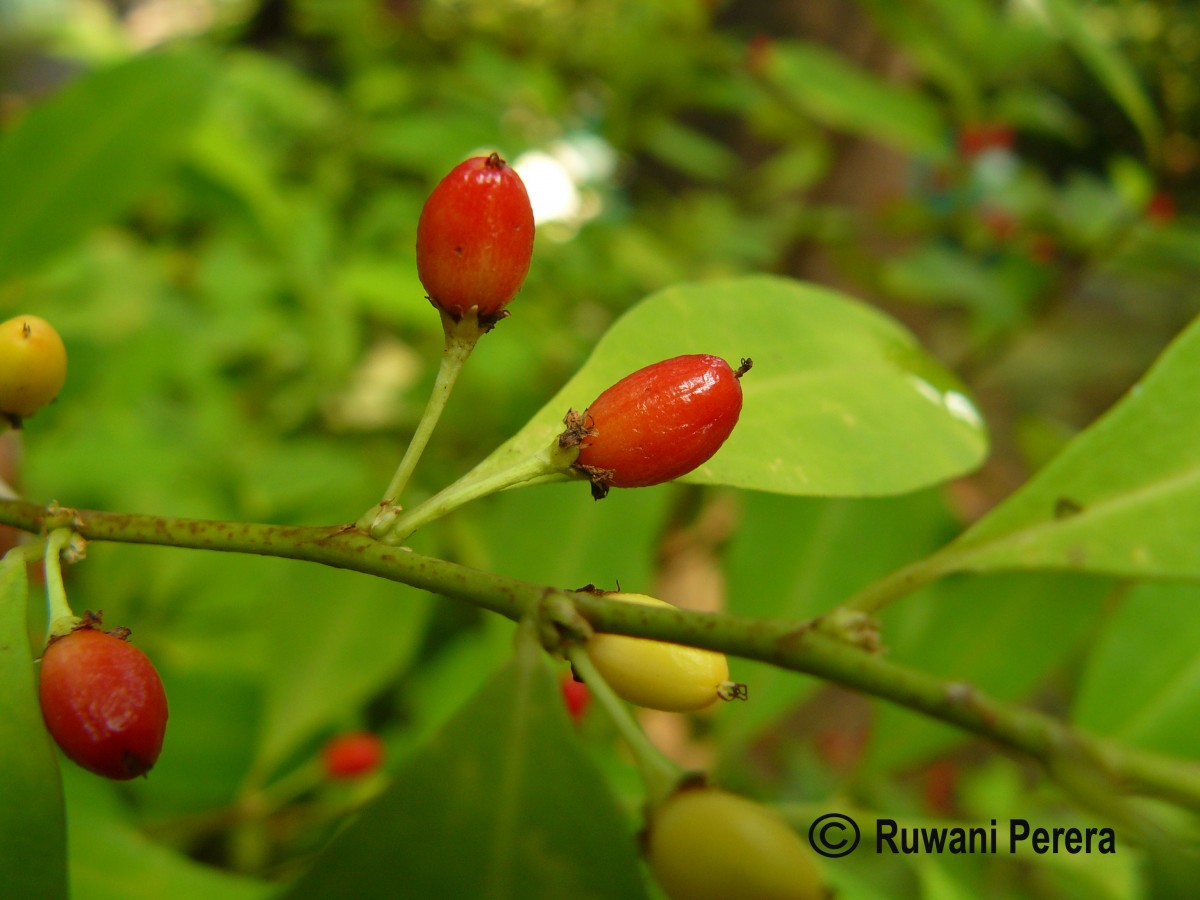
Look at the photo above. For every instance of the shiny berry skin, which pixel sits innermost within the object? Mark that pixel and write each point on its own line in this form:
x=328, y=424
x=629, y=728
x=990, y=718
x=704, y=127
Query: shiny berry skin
x=707, y=844
x=657, y=674
x=33, y=365
x=352, y=755
x=475, y=238
x=661, y=422
x=576, y=696
x=103, y=703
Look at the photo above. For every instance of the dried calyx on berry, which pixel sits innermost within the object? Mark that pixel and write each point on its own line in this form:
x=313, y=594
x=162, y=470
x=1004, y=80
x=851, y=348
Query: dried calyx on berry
x=475, y=239
x=657, y=423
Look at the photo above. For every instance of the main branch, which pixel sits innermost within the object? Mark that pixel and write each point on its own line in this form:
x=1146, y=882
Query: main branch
x=1091, y=767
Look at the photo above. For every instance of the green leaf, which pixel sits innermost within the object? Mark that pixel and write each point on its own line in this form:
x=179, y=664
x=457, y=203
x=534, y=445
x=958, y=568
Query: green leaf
x=688, y=150
x=1122, y=498
x=593, y=542
x=1001, y=634
x=841, y=401
x=503, y=802
x=112, y=860
x=82, y=157
x=328, y=657
x=1142, y=681
x=33, y=828
x=1113, y=70
x=795, y=558
x=838, y=94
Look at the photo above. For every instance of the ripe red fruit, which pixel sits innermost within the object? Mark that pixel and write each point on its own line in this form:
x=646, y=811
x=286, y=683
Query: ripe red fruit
x=979, y=137
x=576, y=696
x=475, y=238
x=658, y=423
x=103, y=702
x=1160, y=208
x=351, y=755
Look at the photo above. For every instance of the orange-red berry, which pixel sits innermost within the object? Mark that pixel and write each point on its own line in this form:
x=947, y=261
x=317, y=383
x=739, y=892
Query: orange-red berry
x=103, y=702
x=352, y=755
x=576, y=696
x=475, y=238
x=658, y=423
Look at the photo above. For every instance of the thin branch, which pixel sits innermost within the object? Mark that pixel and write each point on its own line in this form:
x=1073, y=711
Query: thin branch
x=1094, y=769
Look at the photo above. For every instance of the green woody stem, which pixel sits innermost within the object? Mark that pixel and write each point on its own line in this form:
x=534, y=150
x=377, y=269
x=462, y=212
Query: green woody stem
x=1113, y=769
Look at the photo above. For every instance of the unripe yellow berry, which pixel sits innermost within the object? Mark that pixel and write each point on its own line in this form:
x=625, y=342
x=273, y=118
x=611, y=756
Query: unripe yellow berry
x=706, y=844
x=33, y=365
x=656, y=674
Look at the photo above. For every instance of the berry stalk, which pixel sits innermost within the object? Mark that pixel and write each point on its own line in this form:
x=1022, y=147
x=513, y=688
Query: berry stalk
x=461, y=337
x=659, y=775
x=552, y=464
x=58, y=611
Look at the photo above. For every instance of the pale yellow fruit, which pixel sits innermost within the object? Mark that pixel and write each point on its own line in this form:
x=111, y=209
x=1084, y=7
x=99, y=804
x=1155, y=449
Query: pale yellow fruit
x=706, y=844
x=656, y=674
x=33, y=365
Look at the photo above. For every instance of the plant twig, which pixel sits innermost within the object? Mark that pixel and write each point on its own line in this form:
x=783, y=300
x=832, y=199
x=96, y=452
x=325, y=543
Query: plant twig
x=1112, y=768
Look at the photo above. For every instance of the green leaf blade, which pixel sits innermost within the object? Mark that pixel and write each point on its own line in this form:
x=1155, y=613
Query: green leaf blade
x=80, y=158
x=838, y=94
x=1123, y=498
x=841, y=400
x=33, y=829
x=1141, y=684
x=501, y=803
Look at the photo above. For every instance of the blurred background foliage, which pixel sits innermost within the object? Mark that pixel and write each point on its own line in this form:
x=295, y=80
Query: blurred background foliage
x=224, y=237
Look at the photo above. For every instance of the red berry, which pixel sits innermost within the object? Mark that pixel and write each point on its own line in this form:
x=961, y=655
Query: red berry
x=658, y=423
x=475, y=237
x=576, y=696
x=941, y=785
x=979, y=137
x=1160, y=208
x=103, y=702
x=351, y=755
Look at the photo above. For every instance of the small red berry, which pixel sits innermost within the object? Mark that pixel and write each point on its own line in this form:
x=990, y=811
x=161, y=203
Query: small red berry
x=941, y=786
x=658, y=423
x=352, y=755
x=475, y=238
x=1160, y=208
x=103, y=702
x=576, y=696
x=979, y=137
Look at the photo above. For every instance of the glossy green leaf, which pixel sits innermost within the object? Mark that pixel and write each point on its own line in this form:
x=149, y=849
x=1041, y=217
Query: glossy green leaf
x=80, y=158
x=841, y=399
x=112, y=860
x=1142, y=681
x=502, y=803
x=33, y=838
x=1122, y=498
x=837, y=93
